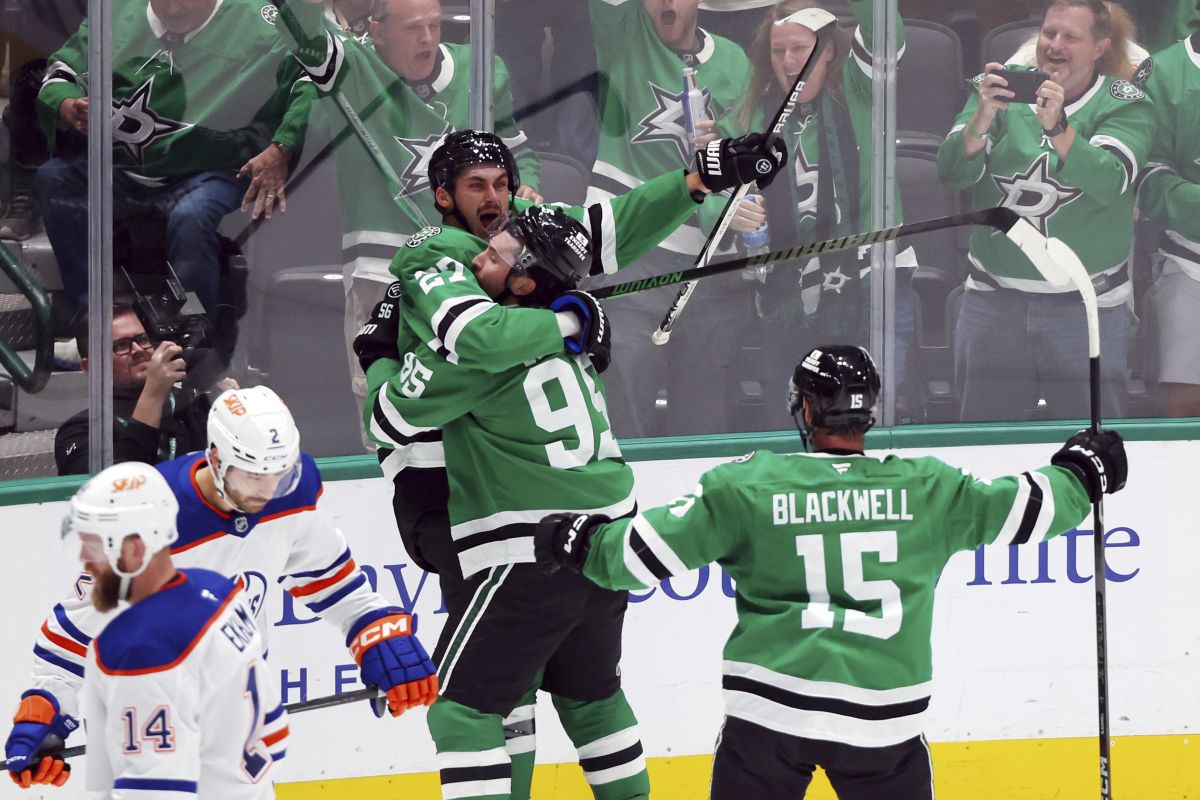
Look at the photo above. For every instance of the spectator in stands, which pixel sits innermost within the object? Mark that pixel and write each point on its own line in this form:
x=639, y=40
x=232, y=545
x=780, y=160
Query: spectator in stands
x=152, y=422
x=1170, y=197
x=1162, y=23
x=351, y=17
x=1068, y=163
x=829, y=140
x=200, y=93
x=734, y=19
x=406, y=88
x=642, y=47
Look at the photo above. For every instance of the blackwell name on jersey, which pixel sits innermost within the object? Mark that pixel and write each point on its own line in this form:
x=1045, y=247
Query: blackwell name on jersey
x=842, y=505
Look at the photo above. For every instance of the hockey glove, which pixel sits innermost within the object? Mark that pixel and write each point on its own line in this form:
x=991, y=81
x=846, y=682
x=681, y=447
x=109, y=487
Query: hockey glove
x=595, y=335
x=1097, y=459
x=727, y=163
x=562, y=541
x=390, y=657
x=38, y=733
x=377, y=338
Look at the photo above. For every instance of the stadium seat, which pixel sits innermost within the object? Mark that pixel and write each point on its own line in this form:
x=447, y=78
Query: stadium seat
x=1000, y=43
x=562, y=179
x=930, y=83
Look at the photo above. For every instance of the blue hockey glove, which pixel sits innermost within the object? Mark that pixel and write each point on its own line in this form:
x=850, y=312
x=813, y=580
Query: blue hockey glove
x=376, y=339
x=390, y=657
x=562, y=541
x=39, y=730
x=595, y=335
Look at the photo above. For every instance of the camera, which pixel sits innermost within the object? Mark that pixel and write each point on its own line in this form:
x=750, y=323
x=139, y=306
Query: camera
x=170, y=314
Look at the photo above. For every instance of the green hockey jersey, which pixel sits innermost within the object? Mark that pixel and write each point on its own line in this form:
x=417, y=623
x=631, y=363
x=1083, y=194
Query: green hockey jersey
x=835, y=558
x=641, y=108
x=211, y=99
x=1087, y=200
x=383, y=184
x=444, y=307
x=1170, y=190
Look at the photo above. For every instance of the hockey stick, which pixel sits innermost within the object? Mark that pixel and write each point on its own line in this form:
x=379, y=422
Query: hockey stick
x=819, y=21
x=1067, y=268
x=295, y=708
x=1005, y=220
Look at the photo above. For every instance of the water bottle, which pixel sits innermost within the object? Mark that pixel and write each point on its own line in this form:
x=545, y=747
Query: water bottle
x=693, y=111
x=757, y=242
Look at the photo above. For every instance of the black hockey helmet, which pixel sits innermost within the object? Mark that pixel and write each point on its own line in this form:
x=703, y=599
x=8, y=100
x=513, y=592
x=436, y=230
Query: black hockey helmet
x=461, y=149
x=556, y=251
x=841, y=385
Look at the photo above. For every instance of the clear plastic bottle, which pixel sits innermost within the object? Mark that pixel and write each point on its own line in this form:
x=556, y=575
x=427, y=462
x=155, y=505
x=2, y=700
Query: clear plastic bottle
x=756, y=243
x=693, y=111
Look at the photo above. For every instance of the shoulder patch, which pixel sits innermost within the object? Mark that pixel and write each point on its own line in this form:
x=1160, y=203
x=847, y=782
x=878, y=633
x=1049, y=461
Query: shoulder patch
x=745, y=458
x=1124, y=90
x=977, y=81
x=1144, y=70
x=418, y=238
x=269, y=13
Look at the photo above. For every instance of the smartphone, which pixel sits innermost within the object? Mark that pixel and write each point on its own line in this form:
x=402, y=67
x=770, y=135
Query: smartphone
x=1024, y=84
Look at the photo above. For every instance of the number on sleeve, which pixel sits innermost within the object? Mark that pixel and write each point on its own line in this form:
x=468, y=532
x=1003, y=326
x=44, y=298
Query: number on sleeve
x=157, y=732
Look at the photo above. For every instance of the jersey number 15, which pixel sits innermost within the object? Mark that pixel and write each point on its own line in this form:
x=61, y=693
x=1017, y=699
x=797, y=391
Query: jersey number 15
x=819, y=614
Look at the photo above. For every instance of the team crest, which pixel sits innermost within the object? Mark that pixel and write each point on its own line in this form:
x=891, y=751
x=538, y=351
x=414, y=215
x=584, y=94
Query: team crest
x=806, y=176
x=1144, y=70
x=415, y=176
x=1034, y=194
x=136, y=125
x=269, y=13
x=418, y=238
x=241, y=524
x=977, y=81
x=665, y=122
x=254, y=586
x=393, y=291
x=1124, y=90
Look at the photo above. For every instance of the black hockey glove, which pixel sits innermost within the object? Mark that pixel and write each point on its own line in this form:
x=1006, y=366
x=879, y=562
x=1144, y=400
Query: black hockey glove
x=595, y=335
x=561, y=541
x=1097, y=459
x=377, y=338
x=727, y=163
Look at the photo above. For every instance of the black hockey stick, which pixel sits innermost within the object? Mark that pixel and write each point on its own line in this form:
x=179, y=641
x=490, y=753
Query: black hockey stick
x=295, y=708
x=778, y=123
x=1065, y=267
x=1005, y=220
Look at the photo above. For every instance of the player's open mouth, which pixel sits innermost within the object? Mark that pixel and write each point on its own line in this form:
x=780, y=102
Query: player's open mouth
x=486, y=218
x=668, y=18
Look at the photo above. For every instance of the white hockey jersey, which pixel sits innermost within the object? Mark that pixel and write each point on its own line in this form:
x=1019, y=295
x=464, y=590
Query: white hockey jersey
x=288, y=541
x=178, y=700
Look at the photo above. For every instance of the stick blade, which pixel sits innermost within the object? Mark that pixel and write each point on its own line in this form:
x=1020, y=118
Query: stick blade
x=1035, y=246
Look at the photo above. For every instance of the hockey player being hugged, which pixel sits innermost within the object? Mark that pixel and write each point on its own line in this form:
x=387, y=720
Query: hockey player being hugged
x=1068, y=160
x=178, y=699
x=539, y=424
x=248, y=509
x=835, y=556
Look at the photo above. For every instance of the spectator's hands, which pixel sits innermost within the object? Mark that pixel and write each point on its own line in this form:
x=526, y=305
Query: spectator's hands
x=166, y=368
x=749, y=216
x=268, y=173
x=74, y=113
x=706, y=131
x=993, y=98
x=1051, y=99
x=527, y=192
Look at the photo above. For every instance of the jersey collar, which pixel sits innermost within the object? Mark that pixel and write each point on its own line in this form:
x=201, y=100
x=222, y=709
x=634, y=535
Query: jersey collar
x=704, y=51
x=1193, y=48
x=838, y=451
x=1086, y=96
x=439, y=78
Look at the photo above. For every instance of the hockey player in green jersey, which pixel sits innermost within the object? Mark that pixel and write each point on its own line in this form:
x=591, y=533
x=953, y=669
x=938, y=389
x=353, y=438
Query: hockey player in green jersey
x=1170, y=196
x=835, y=556
x=201, y=90
x=538, y=424
x=1067, y=163
x=406, y=89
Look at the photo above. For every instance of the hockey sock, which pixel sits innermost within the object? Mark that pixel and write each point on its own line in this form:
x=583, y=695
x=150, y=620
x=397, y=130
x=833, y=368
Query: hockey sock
x=471, y=756
x=520, y=734
x=610, y=750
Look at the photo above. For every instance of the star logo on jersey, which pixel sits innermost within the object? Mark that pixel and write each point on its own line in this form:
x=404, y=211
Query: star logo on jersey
x=1034, y=194
x=834, y=280
x=136, y=126
x=241, y=524
x=806, y=187
x=665, y=123
x=415, y=176
x=842, y=468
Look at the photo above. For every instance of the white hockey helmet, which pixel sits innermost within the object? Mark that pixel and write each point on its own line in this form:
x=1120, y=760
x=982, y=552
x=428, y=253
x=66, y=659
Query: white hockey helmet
x=252, y=430
x=124, y=500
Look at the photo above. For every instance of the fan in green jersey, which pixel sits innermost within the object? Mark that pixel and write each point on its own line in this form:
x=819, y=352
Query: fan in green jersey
x=1170, y=196
x=835, y=556
x=1068, y=163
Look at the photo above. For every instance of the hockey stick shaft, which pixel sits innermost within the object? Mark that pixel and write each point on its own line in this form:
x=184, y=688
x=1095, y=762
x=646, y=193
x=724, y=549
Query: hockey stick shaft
x=778, y=123
x=295, y=708
x=1003, y=219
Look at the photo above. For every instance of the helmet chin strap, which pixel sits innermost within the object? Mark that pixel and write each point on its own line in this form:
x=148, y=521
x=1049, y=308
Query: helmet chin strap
x=802, y=428
x=219, y=483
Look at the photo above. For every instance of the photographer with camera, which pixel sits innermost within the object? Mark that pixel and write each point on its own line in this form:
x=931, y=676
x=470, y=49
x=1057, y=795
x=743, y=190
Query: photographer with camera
x=154, y=421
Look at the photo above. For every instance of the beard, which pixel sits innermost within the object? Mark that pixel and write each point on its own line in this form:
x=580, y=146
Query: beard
x=106, y=590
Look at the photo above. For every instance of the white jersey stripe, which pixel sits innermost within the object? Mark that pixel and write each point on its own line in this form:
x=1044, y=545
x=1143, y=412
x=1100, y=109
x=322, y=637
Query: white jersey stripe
x=828, y=689
x=661, y=550
x=1046, y=514
x=1015, y=514
x=821, y=725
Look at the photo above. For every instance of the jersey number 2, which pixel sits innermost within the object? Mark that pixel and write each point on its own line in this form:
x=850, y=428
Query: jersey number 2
x=811, y=548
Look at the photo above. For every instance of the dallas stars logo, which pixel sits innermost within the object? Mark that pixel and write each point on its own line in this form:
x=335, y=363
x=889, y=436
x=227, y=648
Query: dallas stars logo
x=1034, y=194
x=136, y=126
x=415, y=176
x=834, y=280
x=665, y=123
x=806, y=187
